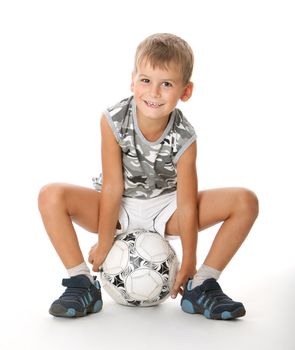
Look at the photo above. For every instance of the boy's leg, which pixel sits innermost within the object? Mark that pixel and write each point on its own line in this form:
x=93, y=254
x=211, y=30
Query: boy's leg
x=59, y=205
x=237, y=208
x=62, y=204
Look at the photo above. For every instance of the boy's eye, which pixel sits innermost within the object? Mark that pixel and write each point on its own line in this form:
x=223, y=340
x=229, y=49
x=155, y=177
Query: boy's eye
x=145, y=81
x=167, y=84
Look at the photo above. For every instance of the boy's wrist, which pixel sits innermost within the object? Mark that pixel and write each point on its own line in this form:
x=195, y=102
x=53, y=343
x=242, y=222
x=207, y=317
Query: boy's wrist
x=188, y=269
x=105, y=244
x=105, y=247
x=188, y=261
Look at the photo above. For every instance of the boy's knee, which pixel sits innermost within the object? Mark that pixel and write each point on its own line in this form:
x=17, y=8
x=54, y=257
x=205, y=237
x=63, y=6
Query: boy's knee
x=247, y=202
x=50, y=195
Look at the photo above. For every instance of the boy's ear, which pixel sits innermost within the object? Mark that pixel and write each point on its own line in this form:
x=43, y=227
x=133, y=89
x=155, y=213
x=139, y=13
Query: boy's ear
x=132, y=82
x=187, y=93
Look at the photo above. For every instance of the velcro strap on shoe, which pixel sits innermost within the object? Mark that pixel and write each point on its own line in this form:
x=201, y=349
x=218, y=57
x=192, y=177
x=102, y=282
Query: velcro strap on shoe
x=211, y=284
x=76, y=282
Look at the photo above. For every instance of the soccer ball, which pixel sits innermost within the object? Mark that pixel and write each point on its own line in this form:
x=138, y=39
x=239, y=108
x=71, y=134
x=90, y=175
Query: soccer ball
x=140, y=269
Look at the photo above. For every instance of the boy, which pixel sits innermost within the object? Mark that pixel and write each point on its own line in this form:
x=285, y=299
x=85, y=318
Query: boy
x=150, y=181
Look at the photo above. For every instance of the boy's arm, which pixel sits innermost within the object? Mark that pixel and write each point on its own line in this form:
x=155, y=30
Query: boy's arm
x=111, y=194
x=187, y=191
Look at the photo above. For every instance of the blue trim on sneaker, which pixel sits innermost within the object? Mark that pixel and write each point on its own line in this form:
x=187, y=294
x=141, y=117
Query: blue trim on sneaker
x=189, y=284
x=80, y=298
x=208, y=299
x=187, y=306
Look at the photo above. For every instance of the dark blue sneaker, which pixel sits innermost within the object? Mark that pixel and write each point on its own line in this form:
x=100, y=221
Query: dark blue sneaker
x=208, y=299
x=79, y=299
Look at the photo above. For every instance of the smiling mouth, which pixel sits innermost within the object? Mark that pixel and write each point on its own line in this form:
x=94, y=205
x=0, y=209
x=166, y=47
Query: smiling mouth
x=153, y=104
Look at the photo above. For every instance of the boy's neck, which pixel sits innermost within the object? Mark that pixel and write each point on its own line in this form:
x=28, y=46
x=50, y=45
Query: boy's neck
x=152, y=130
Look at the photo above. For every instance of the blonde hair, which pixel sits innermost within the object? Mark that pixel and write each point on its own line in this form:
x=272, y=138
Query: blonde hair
x=161, y=49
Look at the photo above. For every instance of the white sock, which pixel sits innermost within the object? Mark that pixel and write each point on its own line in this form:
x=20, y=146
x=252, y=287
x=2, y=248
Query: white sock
x=81, y=269
x=205, y=272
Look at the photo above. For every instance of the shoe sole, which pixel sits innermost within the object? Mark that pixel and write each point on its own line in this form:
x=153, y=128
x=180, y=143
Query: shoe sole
x=60, y=311
x=188, y=307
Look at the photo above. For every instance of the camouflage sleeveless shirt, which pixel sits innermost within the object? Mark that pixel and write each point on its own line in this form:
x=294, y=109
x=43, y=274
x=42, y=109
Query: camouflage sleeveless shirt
x=149, y=167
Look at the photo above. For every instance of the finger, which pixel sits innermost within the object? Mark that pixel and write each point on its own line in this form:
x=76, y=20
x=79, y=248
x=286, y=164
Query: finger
x=175, y=290
x=95, y=267
x=90, y=259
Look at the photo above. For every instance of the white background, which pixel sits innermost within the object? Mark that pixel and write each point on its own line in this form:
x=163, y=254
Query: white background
x=61, y=63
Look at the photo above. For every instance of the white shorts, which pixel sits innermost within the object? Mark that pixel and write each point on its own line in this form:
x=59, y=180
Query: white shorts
x=149, y=214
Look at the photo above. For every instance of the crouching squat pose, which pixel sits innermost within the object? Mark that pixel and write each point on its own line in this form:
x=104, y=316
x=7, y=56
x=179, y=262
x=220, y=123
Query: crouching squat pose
x=149, y=181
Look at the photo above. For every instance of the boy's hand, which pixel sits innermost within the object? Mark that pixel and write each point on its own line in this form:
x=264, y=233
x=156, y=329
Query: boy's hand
x=96, y=257
x=181, y=278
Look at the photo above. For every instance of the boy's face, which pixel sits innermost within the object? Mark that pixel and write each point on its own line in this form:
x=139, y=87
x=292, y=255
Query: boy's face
x=157, y=91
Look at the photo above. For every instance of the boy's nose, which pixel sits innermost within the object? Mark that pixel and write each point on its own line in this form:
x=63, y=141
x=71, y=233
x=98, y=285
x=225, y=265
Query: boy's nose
x=155, y=91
